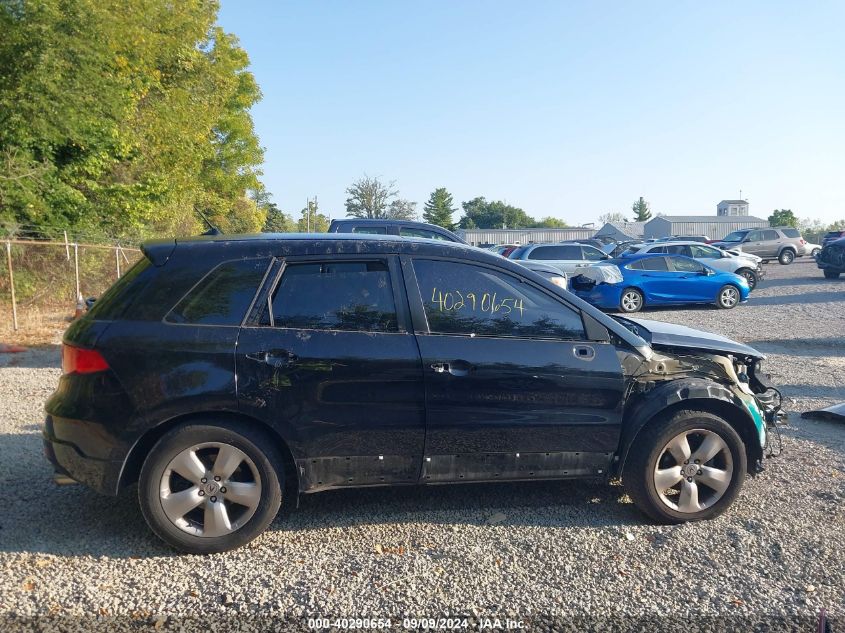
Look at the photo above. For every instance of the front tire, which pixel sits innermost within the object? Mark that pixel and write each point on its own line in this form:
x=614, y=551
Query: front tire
x=831, y=274
x=688, y=466
x=750, y=277
x=815, y=252
x=728, y=297
x=631, y=300
x=207, y=488
x=786, y=257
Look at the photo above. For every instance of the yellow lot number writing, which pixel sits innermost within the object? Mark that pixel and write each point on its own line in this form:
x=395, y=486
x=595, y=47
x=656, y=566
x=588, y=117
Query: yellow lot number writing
x=455, y=300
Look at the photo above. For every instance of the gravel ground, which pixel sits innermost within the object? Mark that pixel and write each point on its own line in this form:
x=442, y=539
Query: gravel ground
x=540, y=553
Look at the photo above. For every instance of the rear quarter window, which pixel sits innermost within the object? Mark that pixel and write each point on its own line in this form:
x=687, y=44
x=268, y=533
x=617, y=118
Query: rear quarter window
x=117, y=299
x=223, y=296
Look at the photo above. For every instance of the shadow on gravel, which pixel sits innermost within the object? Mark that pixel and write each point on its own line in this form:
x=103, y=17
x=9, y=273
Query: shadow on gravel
x=811, y=347
x=805, y=297
x=37, y=357
x=40, y=517
x=792, y=281
x=813, y=391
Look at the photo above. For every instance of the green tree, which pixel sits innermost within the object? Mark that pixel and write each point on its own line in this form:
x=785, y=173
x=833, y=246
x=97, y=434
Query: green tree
x=402, y=209
x=783, y=217
x=312, y=220
x=278, y=221
x=369, y=198
x=126, y=118
x=479, y=213
x=439, y=209
x=551, y=223
x=641, y=210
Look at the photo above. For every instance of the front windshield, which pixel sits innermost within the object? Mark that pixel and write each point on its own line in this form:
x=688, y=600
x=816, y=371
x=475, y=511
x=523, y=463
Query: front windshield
x=736, y=236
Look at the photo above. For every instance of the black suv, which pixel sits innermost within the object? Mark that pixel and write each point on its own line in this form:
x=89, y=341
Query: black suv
x=403, y=228
x=229, y=374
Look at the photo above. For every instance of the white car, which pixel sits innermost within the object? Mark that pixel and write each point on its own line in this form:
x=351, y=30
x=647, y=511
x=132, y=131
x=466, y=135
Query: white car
x=810, y=249
x=565, y=256
x=749, y=266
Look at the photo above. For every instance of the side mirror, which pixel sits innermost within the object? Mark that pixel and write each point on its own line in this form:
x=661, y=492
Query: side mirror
x=605, y=257
x=89, y=303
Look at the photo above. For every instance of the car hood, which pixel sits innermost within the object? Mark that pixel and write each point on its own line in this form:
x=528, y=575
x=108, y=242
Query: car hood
x=671, y=335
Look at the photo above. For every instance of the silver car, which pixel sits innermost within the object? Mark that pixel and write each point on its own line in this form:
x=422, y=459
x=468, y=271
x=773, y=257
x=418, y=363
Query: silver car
x=783, y=243
x=566, y=256
x=743, y=264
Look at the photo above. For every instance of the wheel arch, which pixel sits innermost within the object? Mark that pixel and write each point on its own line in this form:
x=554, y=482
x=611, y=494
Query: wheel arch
x=142, y=447
x=700, y=395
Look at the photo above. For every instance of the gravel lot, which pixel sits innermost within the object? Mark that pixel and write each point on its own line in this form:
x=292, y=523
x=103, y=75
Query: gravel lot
x=546, y=552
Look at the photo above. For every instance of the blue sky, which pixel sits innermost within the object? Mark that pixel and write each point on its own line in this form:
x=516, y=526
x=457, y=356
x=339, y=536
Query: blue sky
x=568, y=109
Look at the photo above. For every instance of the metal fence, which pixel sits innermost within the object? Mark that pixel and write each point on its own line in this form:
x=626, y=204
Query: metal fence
x=44, y=281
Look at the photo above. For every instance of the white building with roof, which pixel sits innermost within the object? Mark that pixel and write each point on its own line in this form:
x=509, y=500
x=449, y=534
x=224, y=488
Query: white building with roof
x=732, y=207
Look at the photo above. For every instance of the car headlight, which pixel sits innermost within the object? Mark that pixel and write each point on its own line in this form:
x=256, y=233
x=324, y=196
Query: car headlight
x=558, y=281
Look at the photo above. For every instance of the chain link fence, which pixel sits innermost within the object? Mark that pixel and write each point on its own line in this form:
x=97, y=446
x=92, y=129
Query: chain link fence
x=43, y=282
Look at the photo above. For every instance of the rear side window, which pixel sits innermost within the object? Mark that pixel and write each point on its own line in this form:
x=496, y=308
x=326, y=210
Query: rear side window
x=768, y=236
x=791, y=232
x=592, y=254
x=554, y=253
x=654, y=263
x=116, y=299
x=407, y=231
x=370, y=230
x=674, y=249
x=223, y=295
x=476, y=301
x=351, y=296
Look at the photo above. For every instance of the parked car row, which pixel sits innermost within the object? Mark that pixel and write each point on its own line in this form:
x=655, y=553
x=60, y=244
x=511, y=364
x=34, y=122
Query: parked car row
x=745, y=264
x=742, y=252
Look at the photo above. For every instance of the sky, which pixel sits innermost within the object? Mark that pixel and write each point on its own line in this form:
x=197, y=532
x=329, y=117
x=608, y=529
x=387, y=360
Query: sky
x=565, y=109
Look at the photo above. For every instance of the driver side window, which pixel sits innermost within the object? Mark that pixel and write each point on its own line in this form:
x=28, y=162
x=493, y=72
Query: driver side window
x=474, y=300
x=683, y=265
x=705, y=252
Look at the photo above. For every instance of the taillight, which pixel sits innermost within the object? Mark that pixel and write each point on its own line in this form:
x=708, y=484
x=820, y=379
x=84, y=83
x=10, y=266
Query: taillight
x=76, y=360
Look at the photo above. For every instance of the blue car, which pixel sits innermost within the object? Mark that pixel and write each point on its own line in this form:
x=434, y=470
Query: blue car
x=657, y=280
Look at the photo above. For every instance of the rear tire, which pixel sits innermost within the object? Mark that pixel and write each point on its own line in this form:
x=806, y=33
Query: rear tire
x=631, y=300
x=728, y=297
x=786, y=257
x=815, y=252
x=750, y=277
x=831, y=274
x=671, y=489
x=211, y=487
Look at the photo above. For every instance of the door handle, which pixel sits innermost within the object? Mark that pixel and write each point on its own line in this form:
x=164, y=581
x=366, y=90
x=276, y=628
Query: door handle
x=275, y=358
x=584, y=352
x=456, y=368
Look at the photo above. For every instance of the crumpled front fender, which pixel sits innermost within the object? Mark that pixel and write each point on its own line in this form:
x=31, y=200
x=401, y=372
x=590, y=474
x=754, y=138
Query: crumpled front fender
x=738, y=409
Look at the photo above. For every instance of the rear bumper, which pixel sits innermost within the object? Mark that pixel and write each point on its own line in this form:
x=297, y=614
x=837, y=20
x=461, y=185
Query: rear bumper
x=102, y=475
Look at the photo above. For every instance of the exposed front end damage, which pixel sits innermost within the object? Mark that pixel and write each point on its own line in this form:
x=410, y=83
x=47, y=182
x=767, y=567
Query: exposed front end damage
x=730, y=384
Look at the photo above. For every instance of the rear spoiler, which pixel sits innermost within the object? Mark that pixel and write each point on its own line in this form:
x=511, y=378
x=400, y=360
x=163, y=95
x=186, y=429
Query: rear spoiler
x=158, y=251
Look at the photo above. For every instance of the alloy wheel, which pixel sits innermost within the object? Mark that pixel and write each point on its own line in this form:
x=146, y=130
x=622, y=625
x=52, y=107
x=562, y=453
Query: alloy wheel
x=750, y=277
x=210, y=489
x=728, y=297
x=693, y=471
x=631, y=301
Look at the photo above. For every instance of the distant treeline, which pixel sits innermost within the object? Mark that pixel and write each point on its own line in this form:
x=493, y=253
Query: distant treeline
x=126, y=118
